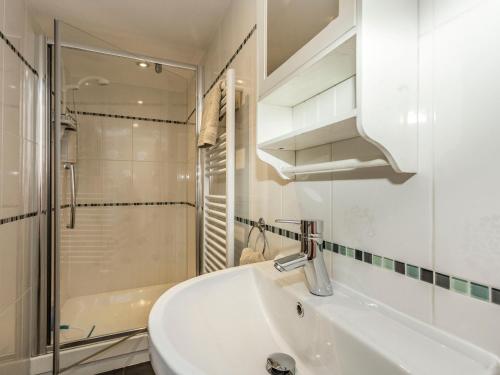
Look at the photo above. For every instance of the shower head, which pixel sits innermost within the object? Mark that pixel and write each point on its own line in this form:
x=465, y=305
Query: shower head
x=70, y=87
x=101, y=81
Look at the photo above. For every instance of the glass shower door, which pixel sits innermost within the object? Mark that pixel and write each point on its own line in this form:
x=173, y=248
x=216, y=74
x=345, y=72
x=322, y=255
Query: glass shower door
x=126, y=185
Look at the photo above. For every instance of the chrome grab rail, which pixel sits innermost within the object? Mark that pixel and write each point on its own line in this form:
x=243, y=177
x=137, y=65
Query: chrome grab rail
x=72, y=218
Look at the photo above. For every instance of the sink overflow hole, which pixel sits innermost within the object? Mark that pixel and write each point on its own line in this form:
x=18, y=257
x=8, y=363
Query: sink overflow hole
x=300, y=310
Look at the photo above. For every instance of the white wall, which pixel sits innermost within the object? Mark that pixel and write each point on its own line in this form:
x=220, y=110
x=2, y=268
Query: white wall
x=445, y=218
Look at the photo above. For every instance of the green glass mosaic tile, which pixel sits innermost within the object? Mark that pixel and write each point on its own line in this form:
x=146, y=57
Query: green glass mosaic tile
x=459, y=285
x=350, y=252
x=412, y=271
x=377, y=260
x=342, y=250
x=480, y=291
x=389, y=264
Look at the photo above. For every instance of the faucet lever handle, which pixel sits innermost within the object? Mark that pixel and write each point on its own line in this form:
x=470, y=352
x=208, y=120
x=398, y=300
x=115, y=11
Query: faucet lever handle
x=307, y=227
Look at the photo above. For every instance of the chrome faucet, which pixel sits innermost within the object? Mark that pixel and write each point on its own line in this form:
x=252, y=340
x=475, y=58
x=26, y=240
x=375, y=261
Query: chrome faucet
x=310, y=257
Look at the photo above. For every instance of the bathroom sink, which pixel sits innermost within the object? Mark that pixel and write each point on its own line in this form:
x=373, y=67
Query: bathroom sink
x=229, y=322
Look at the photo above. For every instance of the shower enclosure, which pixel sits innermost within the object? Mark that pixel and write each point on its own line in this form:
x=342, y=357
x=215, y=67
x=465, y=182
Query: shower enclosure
x=122, y=187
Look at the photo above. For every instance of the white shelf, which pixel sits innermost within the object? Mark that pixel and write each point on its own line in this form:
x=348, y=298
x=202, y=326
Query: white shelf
x=344, y=127
x=329, y=68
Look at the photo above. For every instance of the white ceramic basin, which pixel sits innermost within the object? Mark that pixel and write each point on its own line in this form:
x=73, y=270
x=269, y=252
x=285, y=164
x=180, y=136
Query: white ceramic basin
x=229, y=322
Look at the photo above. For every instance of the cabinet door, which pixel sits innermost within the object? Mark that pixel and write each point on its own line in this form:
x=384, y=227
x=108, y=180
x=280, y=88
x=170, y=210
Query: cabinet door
x=293, y=31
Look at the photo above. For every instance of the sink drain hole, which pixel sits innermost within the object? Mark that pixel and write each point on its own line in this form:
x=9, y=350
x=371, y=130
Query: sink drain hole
x=300, y=310
x=280, y=364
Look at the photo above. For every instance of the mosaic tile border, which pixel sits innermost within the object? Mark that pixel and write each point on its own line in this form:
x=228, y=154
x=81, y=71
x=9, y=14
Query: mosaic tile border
x=18, y=217
x=21, y=57
x=469, y=288
x=112, y=115
x=231, y=59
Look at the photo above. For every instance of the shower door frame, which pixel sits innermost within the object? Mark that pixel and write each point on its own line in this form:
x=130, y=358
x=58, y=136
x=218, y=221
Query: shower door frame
x=52, y=231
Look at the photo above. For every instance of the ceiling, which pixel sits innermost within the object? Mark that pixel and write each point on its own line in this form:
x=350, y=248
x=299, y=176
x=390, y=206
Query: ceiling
x=170, y=29
x=118, y=70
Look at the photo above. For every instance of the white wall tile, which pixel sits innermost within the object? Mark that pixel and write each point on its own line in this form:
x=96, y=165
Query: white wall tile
x=89, y=137
x=117, y=139
x=169, y=145
x=117, y=181
x=466, y=82
x=469, y=318
x=12, y=175
x=173, y=184
x=28, y=176
x=15, y=22
x=308, y=200
x=8, y=325
x=403, y=293
x=383, y=212
x=11, y=91
x=10, y=275
x=146, y=178
x=146, y=141
x=89, y=180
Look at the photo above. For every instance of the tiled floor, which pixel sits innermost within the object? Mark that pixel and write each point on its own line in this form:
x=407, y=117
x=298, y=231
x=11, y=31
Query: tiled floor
x=140, y=369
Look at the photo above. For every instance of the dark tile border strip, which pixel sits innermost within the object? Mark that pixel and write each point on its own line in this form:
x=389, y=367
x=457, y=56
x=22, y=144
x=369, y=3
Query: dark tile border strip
x=231, y=59
x=21, y=57
x=112, y=115
x=191, y=114
x=120, y=204
x=106, y=204
x=18, y=217
x=459, y=285
x=229, y=62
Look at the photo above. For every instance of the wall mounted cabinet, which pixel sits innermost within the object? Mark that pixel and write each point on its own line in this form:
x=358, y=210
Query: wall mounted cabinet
x=356, y=77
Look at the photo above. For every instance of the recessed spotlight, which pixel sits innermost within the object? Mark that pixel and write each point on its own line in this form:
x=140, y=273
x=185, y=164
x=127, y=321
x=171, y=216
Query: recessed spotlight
x=140, y=102
x=135, y=125
x=142, y=64
x=87, y=83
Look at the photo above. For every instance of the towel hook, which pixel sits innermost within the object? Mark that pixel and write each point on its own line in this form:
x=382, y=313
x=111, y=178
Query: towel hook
x=261, y=226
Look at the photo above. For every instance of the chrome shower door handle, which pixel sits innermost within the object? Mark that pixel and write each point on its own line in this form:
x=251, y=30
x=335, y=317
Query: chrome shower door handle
x=72, y=218
x=288, y=221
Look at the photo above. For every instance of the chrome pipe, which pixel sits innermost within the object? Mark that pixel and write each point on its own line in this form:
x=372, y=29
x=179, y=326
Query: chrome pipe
x=72, y=218
x=199, y=174
x=43, y=155
x=127, y=55
x=57, y=196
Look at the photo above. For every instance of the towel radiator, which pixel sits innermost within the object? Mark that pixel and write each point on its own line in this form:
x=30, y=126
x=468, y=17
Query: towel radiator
x=218, y=191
